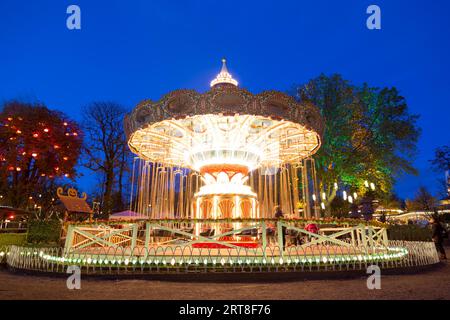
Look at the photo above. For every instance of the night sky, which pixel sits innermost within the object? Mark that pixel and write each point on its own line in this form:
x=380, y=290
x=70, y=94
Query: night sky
x=127, y=51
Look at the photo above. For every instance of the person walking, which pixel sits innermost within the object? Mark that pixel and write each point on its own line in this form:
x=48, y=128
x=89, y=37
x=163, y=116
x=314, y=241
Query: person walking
x=279, y=215
x=437, y=234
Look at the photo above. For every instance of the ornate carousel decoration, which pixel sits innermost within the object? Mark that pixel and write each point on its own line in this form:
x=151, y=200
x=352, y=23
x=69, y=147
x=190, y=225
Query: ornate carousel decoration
x=225, y=153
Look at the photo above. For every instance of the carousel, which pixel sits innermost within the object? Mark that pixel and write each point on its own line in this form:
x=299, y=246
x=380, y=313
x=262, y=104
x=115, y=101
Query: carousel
x=209, y=170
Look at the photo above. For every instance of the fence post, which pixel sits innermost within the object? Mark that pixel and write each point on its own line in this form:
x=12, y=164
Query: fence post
x=69, y=238
x=264, y=237
x=370, y=229
x=147, y=235
x=134, y=237
x=385, y=238
x=352, y=233
x=280, y=236
x=362, y=230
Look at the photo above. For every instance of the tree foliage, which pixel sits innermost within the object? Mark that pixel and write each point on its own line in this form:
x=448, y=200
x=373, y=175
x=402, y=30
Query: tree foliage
x=423, y=201
x=38, y=148
x=441, y=161
x=369, y=135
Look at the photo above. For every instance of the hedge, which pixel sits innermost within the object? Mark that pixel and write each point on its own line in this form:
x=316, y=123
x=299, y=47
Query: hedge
x=409, y=233
x=44, y=232
x=7, y=239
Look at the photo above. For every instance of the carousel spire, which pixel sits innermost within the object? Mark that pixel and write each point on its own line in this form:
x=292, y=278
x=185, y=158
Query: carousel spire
x=224, y=76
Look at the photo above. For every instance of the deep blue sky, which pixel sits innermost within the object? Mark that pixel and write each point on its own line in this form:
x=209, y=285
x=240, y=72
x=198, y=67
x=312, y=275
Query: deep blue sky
x=130, y=50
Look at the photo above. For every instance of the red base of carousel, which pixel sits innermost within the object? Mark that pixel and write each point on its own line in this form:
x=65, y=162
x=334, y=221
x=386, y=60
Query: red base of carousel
x=210, y=245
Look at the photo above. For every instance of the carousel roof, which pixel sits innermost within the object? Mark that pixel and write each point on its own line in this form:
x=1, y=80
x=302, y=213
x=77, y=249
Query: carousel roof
x=180, y=109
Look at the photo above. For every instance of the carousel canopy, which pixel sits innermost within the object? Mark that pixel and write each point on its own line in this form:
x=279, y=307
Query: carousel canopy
x=225, y=125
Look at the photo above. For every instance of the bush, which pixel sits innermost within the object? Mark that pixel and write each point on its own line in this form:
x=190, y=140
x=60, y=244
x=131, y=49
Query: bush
x=44, y=232
x=409, y=233
x=7, y=239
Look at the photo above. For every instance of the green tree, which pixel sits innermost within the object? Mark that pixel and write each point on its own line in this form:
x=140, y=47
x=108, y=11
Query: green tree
x=369, y=135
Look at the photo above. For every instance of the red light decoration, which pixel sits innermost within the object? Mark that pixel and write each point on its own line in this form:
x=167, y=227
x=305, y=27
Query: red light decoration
x=35, y=135
x=34, y=154
x=46, y=130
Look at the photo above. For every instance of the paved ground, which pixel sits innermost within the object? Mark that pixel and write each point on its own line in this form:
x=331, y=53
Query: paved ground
x=431, y=284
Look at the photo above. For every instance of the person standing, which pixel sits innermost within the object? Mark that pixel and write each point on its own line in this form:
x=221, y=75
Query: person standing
x=279, y=215
x=437, y=234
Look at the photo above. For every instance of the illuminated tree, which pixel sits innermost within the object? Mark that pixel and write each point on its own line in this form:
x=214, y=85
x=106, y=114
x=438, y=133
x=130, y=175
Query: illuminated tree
x=38, y=148
x=369, y=136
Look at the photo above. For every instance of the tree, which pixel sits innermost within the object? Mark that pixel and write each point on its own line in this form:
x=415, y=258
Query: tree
x=423, y=201
x=38, y=149
x=106, y=150
x=369, y=135
x=441, y=161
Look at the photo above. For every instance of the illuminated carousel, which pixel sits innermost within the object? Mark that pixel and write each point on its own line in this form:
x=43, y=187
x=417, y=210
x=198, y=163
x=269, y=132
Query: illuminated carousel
x=231, y=154
x=210, y=168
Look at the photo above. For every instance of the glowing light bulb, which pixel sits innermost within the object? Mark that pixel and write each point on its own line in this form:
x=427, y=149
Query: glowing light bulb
x=344, y=195
x=35, y=135
x=366, y=184
x=46, y=130
x=350, y=199
x=372, y=186
x=34, y=154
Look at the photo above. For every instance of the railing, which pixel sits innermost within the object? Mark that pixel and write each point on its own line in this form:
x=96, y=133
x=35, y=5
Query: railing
x=257, y=235
x=222, y=246
x=166, y=259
